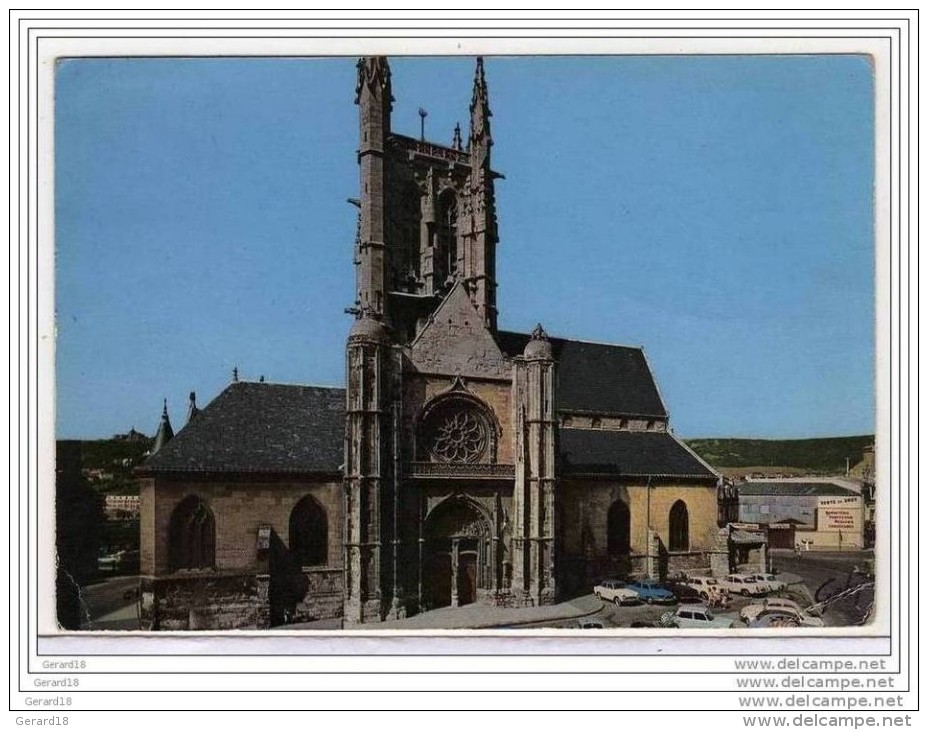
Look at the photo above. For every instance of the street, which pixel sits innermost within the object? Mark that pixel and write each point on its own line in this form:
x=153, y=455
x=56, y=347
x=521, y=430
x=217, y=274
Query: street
x=106, y=597
x=838, y=580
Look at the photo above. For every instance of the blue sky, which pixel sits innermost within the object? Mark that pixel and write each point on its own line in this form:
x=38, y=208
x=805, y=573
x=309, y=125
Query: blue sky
x=716, y=210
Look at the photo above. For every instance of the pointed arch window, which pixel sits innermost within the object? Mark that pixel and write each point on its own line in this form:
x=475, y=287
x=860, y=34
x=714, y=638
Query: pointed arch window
x=309, y=533
x=192, y=536
x=679, y=527
x=618, y=529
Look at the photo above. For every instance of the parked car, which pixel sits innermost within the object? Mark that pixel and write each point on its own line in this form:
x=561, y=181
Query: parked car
x=684, y=593
x=122, y=561
x=782, y=616
x=769, y=582
x=650, y=591
x=705, y=585
x=697, y=617
x=743, y=584
x=754, y=609
x=783, y=619
x=590, y=623
x=615, y=591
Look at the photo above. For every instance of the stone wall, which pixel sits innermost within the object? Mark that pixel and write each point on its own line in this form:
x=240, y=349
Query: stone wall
x=245, y=589
x=199, y=600
x=584, y=512
x=239, y=508
x=324, y=595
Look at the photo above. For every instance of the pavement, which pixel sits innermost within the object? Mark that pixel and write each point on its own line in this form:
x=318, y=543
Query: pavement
x=477, y=616
x=472, y=616
x=122, y=619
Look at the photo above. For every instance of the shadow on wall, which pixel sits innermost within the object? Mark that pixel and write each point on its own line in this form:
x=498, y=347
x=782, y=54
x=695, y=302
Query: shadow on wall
x=288, y=584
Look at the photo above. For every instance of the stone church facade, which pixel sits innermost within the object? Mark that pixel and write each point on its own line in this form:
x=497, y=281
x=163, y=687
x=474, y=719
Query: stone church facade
x=461, y=463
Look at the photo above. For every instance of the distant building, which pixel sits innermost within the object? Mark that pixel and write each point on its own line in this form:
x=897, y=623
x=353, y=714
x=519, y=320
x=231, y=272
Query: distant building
x=132, y=435
x=822, y=515
x=122, y=506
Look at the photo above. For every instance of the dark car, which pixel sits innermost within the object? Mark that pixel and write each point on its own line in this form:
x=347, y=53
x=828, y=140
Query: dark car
x=684, y=593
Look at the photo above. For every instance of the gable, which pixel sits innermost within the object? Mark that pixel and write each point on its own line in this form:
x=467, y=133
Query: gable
x=456, y=342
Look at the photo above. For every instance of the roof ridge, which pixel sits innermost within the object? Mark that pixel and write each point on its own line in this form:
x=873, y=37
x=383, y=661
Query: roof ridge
x=288, y=385
x=580, y=341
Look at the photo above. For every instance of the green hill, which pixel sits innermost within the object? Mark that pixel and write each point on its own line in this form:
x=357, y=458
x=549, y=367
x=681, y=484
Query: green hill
x=818, y=455
x=108, y=463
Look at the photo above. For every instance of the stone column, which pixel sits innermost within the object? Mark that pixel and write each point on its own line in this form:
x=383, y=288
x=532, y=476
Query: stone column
x=534, y=571
x=364, y=470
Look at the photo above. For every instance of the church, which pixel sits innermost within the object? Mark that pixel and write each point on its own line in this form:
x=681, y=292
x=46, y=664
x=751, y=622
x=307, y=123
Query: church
x=460, y=463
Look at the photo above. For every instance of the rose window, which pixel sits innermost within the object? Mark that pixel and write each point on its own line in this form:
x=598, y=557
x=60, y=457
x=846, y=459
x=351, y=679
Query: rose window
x=456, y=432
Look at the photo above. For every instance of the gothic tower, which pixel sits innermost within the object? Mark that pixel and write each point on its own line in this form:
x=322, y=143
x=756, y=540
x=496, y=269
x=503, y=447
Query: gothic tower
x=367, y=426
x=426, y=229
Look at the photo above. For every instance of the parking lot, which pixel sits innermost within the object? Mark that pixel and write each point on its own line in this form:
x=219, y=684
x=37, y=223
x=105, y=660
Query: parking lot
x=808, y=582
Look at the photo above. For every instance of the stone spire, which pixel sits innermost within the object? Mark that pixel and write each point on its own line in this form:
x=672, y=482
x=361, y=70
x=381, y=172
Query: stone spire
x=165, y=432
x=538, y=347
x=374, y=78
x=375, y=102
x=480, y=230
x=457, y=143
x=480, y=109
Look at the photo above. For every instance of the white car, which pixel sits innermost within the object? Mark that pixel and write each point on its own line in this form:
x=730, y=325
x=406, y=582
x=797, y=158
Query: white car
x=783, y=618
x=614, y=591
x=754, y=609
x=705, y=585
x=769, y=582
x=750, y=613
x=696, y=617
x=746, y=585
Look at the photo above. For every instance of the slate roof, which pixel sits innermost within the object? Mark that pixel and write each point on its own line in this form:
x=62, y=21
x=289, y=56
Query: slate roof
x=629, y=453
x=597, y=378
x=260, y=427
x=793, y=489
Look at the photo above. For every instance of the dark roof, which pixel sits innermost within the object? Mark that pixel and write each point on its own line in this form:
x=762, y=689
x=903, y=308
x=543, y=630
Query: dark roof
x=260, y=427
x=596, y=378
x=630, y=453
x=793, y=489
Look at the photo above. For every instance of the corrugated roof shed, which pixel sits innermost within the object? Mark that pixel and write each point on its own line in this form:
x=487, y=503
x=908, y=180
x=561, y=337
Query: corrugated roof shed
x=772, y=488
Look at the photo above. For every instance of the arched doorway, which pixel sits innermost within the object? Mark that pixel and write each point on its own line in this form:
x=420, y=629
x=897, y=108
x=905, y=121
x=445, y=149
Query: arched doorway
x=456, y=559
x=618, y=530
x=309, y=533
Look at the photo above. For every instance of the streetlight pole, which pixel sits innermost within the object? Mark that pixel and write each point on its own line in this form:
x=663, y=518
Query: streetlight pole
x=647, y=530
